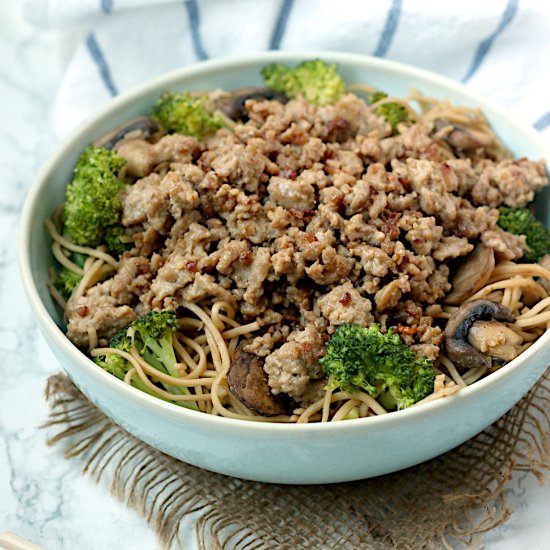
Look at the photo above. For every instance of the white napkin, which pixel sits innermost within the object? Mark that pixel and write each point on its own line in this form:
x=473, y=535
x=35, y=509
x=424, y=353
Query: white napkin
x=498, y=47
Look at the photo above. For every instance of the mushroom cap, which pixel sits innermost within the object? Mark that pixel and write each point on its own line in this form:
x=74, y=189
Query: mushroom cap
x=248, y=383
x=232, y=104
x=143, y=124
x=462, y=138
x=459, y=350
x=472, y=274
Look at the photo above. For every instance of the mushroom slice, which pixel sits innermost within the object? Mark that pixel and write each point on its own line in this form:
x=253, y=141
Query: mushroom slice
x=495, y=339
x=248, y=383
x=232, y=104
x=142, y=127
x=457, y=332
x=472, y=274
x=461, y=138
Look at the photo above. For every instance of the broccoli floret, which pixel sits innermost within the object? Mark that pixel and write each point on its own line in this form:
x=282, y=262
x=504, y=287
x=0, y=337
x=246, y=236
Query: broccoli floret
x=354, y=413
x=66, y=281
x=392, y=112
x=153, y=340
x=78, y=259
x=113, y=363
x=183, y=114
x=366, y=359
x=118, y=366
x=91, y=202
x=317, y=81
x=377, y=96
x=113, y=242
x=521, y=221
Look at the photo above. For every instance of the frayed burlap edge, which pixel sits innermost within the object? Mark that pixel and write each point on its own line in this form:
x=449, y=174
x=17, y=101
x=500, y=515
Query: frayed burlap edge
x=448, y=502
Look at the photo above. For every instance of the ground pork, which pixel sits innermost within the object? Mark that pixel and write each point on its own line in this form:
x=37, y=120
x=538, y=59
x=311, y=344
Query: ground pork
x=344, y=304
x=295, y=363
x=142, y=156
x=304, y=218
x=97, y=310
x=510, y=182
x=291, y=193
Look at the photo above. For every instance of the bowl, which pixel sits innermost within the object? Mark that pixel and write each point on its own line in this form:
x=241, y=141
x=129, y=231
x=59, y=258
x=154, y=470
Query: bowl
x=300, y=453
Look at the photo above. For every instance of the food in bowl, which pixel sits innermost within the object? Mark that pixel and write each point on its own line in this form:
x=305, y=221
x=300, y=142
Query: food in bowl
x=311, y=251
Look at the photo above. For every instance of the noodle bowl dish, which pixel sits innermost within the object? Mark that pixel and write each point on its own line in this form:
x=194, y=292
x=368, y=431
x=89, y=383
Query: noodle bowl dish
x=263, y=265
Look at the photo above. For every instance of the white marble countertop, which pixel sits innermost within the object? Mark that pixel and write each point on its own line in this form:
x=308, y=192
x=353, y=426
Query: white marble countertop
x=43, y=497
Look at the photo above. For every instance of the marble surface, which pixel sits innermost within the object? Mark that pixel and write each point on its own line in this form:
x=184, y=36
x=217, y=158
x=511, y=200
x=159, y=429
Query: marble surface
x=43, y=497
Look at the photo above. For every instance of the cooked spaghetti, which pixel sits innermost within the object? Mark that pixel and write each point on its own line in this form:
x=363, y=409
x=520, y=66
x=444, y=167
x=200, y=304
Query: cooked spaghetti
x=273, y=231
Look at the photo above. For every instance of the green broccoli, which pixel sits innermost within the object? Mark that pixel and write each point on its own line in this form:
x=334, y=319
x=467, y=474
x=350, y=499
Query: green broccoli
x=317, y=81
x=375, y=97
x=366, y=359
x=521, y=221
x=183, y=114
x=354, y=413
x=78, y=258
x=66, y=281
x=113, y=242
x=118, y=366
x=91, y=202
x=392, y=112
x=153, y=341
x=113, y=363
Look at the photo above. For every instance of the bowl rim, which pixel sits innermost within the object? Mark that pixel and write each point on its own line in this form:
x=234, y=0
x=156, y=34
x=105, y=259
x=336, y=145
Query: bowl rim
x=173, y=78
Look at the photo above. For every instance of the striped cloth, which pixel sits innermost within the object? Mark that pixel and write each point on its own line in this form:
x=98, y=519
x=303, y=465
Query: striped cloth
x=498, y=47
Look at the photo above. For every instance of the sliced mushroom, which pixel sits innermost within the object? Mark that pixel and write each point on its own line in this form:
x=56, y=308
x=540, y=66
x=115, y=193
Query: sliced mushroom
x=140, y=127
x=461, y=138
x=457, y=333
x=248, y=383
x=495, y=339
x=233, y=104
x=472, y=274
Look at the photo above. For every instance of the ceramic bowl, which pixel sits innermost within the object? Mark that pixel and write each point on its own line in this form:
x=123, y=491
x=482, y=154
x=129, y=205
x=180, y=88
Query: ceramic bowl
x=305, y=453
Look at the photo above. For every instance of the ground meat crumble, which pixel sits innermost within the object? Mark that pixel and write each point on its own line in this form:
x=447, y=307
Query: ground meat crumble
x=305, y=218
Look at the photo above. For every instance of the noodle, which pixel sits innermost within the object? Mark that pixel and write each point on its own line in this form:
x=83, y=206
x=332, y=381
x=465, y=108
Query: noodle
x=474, y=374
x=453, y=372
x=510, y=283
x=94, y=274
x=155, y=389
x=345, y=409
x=92, y=335
x=56, y=295
x=64, y=261
x=342, y=396
x=326, y=406
x=537, y=308
x=67, y=244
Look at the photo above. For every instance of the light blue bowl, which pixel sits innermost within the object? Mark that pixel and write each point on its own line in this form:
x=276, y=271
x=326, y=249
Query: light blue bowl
x=305, y=453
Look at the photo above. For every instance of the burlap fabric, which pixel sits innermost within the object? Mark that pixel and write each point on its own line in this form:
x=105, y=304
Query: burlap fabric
x=448, y=502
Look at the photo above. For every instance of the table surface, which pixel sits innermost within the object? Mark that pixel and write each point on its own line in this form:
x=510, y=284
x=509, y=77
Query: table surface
x=43, y=497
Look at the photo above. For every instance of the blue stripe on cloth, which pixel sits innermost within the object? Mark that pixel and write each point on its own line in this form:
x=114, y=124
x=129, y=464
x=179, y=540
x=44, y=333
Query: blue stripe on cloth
x=106, y=6
x=543, y=122
x=103, y=67
x=194, y=23
x=389, y=28
x=280, y=25
x=485, y=45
